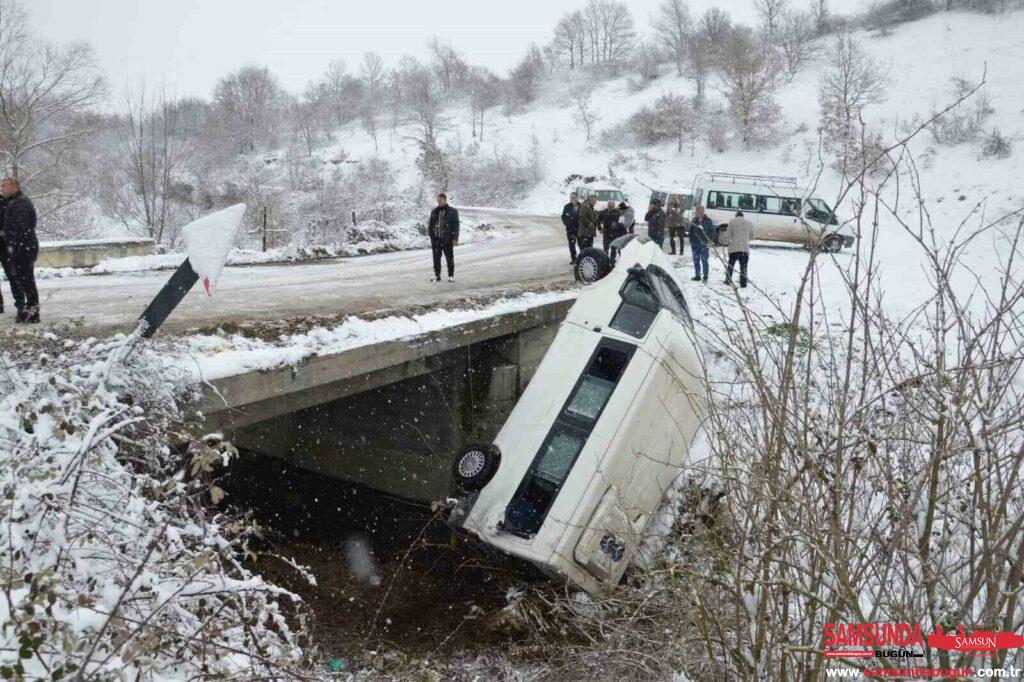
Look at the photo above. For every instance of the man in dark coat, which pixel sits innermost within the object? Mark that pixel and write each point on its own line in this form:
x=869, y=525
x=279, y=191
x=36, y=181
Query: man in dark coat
x=676, y=225
x=588, y=222
x=609, y=226
x=20, y=248
x=571, y=220
x=702, y=236
x=443, y=229
x=656, y=223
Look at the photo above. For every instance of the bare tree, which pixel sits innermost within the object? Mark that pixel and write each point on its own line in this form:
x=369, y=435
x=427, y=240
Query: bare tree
x=750, y=77
x=484, y=92
x=583, y=111
x=703, y=49
x=423, y=101
x=797, y=41
x=679, y=118
x=646, y=59
x=610, y=30
x=373, y=78
x=448, y=64
x=44, y=92
x=771, y=11
x=247, y=103
x=151, y=155
x=307, y=117
x=853, y=81
x=821, y=15
x=337, y=91
x=674, y=28
x=570, y=37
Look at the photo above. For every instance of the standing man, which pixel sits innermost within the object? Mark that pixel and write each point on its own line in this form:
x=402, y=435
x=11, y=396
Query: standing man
x=609, y=227
x=656, y=223
x=587, y=224
x=739, y=231
x=627, y=218
x=21, y=248
x=443, y=229
x=571, y=220
x=702, y=232
x=676, y=224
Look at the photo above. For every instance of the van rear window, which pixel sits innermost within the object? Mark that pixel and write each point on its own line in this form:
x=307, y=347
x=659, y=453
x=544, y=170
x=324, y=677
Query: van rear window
x=568, y=435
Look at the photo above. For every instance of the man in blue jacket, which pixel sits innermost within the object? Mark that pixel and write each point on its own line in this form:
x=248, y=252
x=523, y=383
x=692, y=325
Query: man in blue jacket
x=443, y=229
x=21, y=246
x=702, y=235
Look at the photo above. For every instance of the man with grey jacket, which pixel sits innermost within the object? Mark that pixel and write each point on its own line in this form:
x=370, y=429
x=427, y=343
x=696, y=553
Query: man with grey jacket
x=739, y=232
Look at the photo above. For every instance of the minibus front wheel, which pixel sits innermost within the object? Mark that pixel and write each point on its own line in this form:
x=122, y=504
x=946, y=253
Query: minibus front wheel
x=475, y=466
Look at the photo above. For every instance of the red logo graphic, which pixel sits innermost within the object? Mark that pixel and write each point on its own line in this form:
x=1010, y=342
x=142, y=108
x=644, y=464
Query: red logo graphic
x=980, y=640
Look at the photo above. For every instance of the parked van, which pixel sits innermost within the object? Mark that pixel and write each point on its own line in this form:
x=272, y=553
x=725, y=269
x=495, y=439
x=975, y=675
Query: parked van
x=602, y=192
x=573, y=478
x=779, y=209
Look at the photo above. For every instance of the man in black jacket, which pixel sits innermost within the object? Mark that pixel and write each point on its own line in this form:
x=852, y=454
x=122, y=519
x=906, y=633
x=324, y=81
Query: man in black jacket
x=610, y=227
x=443, y=229
x=571, y=220
x=656, y=223
x=20, y=246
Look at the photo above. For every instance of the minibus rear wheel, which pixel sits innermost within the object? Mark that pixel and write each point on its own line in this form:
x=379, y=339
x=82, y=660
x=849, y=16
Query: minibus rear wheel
x=591, y=265
x=475, y=466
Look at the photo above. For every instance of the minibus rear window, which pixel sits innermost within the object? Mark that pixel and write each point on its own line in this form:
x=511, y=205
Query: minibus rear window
x=568, y=435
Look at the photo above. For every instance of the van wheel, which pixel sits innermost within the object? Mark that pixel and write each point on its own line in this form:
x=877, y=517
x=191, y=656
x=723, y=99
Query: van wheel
x=591, y=265
x=475, y=466
x=833, y=244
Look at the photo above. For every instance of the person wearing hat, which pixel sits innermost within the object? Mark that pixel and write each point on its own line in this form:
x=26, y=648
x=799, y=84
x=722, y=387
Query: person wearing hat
x=739, y=232
x=655, y=218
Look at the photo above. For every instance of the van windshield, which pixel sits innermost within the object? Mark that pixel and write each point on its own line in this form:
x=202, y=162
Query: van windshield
x=568, y=435
x=606, y=194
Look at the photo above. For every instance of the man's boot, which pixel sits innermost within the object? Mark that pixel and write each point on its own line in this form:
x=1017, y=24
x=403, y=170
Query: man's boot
x=32, y=315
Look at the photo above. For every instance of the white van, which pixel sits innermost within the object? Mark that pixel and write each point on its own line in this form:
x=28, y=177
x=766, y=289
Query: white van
x=596, y=439
x=603, y=193
x=779, y=209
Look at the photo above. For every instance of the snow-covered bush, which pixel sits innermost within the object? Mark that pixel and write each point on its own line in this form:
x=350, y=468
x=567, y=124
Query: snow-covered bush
x=996, y=146
x=115, y=566
x=887, y=13
x=966, y=121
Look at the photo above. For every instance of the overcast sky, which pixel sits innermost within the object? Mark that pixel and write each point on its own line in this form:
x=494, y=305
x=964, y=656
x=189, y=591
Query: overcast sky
x=189, y=44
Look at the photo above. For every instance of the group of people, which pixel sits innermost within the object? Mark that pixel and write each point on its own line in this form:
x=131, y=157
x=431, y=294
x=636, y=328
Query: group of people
x=583, y=221
x=19, y=248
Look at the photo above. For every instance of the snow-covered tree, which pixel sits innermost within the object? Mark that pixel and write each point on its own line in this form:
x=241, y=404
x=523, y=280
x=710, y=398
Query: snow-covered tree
x=750, y=78
x=674, y=28
x=248, y=104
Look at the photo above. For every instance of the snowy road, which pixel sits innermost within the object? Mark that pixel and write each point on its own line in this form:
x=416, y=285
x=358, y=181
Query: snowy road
x=534, y=255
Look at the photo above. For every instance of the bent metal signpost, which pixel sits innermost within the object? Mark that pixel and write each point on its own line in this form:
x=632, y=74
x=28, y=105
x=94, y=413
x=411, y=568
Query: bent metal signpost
x=906, y=643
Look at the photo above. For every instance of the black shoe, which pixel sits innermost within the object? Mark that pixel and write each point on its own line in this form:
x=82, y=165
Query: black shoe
x=705, y=279
x=21, y=317
x=695, y=279
x=435, y=279
x=743, y=285
x=671, y=253
x=32, y=316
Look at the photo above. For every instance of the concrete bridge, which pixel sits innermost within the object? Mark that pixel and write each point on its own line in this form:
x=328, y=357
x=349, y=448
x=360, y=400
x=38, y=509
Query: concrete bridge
x=390, y=415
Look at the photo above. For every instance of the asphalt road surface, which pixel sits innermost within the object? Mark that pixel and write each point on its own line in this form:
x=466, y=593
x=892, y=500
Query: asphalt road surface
x=533, y=256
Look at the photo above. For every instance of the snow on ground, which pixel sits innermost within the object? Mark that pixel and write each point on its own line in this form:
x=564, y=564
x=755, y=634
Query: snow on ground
x=404, y=236
x=217, y=356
